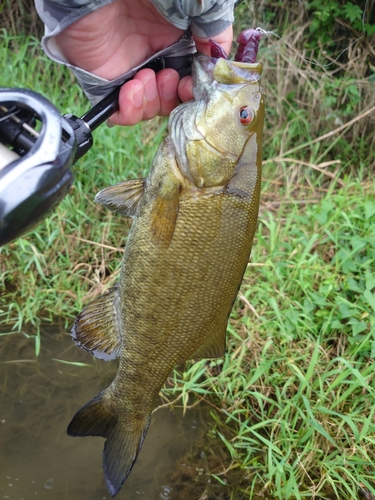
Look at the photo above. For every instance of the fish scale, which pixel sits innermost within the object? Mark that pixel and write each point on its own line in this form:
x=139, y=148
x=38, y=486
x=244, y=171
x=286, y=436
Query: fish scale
x=194, y=221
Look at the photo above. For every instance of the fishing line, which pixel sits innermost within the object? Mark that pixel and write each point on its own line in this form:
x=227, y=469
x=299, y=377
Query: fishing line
x=270, y=33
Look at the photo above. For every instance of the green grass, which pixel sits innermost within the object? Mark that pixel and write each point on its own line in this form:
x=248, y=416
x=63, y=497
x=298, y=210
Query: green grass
x=296, y=389
x=293, y=400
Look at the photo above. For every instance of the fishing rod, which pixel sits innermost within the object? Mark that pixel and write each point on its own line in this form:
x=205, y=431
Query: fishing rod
x=38, y=147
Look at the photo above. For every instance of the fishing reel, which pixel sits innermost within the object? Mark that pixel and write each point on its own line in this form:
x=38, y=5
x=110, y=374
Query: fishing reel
x=38, y=147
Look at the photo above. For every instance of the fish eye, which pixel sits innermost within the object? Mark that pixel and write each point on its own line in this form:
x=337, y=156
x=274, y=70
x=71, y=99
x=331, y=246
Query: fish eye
x=246, y=115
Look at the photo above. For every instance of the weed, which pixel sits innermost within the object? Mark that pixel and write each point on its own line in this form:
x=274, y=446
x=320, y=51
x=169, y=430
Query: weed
x=296, y=388
x=292, y=401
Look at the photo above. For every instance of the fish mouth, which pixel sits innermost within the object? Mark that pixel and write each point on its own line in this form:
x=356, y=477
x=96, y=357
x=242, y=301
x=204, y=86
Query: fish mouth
x=208, y=64
x=234, y=72
x=222, y=70
x=209, y=72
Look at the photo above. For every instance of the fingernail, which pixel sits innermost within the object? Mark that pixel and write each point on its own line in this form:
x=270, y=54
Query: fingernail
x=138, y=97
x=169, y=88
x=150, y=89
x=185, y=88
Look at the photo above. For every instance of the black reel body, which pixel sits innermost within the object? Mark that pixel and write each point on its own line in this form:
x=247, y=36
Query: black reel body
x=38, y=174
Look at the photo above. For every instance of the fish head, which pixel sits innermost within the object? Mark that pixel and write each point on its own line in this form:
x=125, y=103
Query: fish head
x=211, y=133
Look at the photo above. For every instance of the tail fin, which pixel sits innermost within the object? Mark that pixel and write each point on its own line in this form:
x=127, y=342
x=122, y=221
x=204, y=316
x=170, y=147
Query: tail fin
x=124, y=438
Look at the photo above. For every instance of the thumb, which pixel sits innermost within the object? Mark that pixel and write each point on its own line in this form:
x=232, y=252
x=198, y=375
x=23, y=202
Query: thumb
x=224, y=39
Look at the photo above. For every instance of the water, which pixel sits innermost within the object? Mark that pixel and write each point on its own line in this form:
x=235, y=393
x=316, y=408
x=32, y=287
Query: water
x=37, y=401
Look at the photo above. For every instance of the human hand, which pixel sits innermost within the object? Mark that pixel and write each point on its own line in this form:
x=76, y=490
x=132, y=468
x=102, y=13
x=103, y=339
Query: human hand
x=117, y=37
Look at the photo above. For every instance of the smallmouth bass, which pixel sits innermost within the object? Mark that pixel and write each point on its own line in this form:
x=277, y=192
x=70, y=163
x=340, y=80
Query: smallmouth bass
x=194, y=221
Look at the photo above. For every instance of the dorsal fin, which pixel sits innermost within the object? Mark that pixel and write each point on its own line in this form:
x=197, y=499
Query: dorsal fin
x=122, y=198
x=97, y=327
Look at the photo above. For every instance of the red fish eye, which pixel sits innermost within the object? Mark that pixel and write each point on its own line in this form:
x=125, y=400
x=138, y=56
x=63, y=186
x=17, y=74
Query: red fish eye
x=246, y=115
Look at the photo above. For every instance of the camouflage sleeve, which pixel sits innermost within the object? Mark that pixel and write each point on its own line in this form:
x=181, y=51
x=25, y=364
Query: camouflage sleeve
x=204, y=17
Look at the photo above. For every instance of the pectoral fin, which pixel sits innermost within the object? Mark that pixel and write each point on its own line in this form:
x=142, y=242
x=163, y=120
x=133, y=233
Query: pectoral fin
x=122, y=198
x=246, y=177
x=165, y=209
x=164, y=218
x=97, y=327
x=214, y=347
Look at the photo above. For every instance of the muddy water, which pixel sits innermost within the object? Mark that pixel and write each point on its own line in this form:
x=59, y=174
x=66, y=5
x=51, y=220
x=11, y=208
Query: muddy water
x=37, y=401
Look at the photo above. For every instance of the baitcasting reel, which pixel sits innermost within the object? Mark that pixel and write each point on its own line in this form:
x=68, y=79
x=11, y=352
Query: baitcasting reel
x=38, y=146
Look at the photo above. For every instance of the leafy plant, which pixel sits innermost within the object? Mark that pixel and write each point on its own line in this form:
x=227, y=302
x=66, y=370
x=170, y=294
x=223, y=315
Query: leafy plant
x=325, y=14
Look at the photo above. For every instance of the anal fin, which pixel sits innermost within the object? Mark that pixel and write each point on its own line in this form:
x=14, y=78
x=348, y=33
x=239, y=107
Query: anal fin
x=97, y=327
x=122, y=198
x=214, y=347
